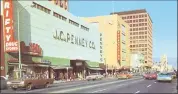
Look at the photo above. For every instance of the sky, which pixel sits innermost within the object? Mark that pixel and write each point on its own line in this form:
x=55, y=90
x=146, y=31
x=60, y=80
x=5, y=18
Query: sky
x=163, y=14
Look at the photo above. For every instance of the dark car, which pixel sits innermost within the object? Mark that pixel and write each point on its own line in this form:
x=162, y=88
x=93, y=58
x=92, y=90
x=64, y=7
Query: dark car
x=150, y=76
x=3, y=83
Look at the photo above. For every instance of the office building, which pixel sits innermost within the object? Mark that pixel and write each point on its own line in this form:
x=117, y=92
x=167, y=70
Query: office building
x=115, y=40
x=140, y=32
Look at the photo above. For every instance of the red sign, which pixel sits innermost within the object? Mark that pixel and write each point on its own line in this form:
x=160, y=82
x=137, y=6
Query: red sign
x=10, y=44
x=35, y=49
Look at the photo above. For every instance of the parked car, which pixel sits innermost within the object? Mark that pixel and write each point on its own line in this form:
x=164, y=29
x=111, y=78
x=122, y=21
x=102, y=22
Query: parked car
x=124, y=75
x=29, y=83
x=94, y=76
x=3, y=83
x=150, y=76
x=173, y=75
x=164, y=77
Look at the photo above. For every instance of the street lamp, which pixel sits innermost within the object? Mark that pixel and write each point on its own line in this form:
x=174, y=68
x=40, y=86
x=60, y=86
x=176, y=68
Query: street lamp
x=18, y=13
x=67, y=73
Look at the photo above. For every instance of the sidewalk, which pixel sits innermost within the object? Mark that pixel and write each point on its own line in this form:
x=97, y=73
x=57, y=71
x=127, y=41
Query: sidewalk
x=60, y=81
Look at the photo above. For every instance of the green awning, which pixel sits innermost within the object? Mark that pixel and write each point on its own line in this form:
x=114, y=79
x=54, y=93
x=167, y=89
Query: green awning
x=92, y=64
x=63, y=62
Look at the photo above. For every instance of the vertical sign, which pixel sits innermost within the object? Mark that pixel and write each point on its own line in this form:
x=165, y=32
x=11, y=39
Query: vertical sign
x=10, y=43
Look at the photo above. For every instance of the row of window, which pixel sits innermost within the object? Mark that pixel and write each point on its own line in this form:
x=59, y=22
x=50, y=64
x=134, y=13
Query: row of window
x=138, y=37
x=73, y=23
x=140, y=24
x=136, y=29
x=139, y=45
x=135, y=16
x=137, y=41
x=138, y=33
x=57, y=15
x=136, y=21
x=42, y=8
x=84, y=28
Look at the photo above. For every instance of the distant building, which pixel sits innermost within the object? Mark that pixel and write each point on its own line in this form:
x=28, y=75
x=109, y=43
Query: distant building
x=137, y=60
x=141, y=39
x=115, y=39
x=163, y=63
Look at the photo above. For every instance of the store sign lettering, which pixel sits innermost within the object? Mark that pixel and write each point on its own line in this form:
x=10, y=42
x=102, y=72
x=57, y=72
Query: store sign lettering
x=10, y=44
x=70, y=38
x=35, y=48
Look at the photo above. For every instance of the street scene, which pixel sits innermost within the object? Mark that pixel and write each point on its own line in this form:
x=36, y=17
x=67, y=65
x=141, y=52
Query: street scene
x=134, y=85
x=65, y=46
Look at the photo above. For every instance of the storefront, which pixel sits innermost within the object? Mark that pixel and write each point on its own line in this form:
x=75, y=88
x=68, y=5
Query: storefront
x=54, y=35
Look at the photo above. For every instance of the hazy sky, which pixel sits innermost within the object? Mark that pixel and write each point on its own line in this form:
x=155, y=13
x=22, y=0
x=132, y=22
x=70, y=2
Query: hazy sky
x=163, y=14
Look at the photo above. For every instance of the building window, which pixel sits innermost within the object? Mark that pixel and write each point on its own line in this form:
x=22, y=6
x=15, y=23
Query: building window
x=73, y=23
x=133, y=21
x=42, y=8
x=145, y=20
x=140, y=16
x=130, y=29
x=130, y=25
x=145, y=28
x=134, y=16
x=84, y=28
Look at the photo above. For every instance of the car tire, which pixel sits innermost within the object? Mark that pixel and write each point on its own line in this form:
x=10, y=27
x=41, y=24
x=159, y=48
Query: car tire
x=47, y=85
x=14, y=89
x=29, y=87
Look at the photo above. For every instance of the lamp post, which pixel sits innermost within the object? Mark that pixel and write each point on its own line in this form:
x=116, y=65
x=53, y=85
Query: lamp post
x=18, y=30
x=67, y=74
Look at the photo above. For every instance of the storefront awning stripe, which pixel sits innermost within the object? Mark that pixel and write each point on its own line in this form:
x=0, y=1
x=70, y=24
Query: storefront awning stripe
x=92, y=64
x=63, y=62
x=59, y=67
x=95, y=69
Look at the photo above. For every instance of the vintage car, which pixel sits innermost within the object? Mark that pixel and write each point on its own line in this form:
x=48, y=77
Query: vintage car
x=124, y=75
x=166, y=77
x=29, y=83
x=150, y=76
x=94, y=76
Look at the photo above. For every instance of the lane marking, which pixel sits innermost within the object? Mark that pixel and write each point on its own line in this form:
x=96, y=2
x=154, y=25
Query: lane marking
x=119, y=85
x=67, y=86
x=148, y=85
x=91, y=86
x=154, y=82
x=137, y=92
x=98, y=91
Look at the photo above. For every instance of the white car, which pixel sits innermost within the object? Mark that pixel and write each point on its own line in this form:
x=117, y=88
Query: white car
x=94, y=76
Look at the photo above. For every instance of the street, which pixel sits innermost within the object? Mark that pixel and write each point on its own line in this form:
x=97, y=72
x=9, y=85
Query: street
x=109, y=85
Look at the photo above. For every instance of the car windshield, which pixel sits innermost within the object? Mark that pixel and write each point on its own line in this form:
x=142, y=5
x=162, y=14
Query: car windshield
x=94, y=74
x=164, y=74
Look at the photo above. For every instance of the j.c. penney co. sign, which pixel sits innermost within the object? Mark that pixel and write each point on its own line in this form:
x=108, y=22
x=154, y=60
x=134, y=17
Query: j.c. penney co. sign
x=70, y=38
x=10, y=43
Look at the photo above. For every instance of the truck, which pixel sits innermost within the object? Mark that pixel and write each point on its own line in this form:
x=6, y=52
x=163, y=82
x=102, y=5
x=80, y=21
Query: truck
x=30, y=82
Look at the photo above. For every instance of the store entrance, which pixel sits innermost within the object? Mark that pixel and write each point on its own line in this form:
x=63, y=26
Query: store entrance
x=79, y=68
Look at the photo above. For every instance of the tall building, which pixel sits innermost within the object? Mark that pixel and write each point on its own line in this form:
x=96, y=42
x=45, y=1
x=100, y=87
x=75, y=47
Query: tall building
x=61, y=3
x=140, y=32
x=115, y=40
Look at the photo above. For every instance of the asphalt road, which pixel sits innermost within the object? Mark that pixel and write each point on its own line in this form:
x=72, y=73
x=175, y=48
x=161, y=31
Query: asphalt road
x=134, y=85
